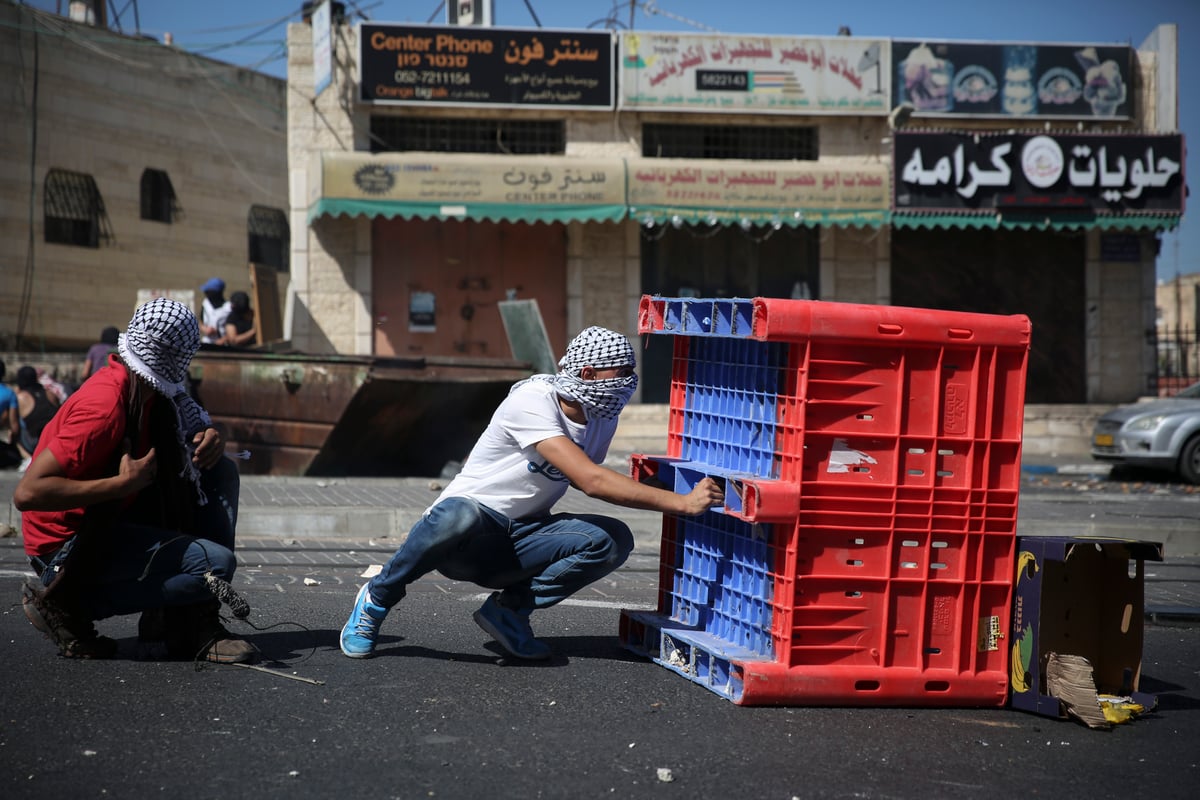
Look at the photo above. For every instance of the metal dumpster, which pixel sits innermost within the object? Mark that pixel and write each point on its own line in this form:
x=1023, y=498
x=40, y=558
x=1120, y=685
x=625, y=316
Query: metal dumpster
x=334, y=415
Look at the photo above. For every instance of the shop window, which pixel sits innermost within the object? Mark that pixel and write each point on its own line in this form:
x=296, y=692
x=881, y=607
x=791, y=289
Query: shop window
x=159, y=203
x=764, y=142
x=697, y=260
x=74, y=210
x=270, y=237
x=441, y=135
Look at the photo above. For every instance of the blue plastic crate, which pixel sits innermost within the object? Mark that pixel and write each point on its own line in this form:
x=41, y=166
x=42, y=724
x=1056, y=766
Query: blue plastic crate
x=729, y=406
x=707, y=317
x=723, y=582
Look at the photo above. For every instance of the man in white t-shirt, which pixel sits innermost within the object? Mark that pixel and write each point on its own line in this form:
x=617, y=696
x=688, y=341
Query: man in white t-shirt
x=493, y=524
x=213, y=311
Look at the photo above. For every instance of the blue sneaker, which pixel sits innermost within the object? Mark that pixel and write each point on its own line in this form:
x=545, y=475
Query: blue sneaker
x=359, y=632
x=510, y=629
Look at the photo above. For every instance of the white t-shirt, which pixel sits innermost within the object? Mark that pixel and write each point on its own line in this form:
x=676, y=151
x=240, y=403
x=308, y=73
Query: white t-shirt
x=504, y=470
x=214, y=318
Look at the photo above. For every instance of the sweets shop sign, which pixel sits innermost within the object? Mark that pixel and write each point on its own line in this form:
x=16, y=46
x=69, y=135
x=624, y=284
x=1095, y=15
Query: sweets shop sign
x=1102, y=174
x=520, y=68
x=1013, y=80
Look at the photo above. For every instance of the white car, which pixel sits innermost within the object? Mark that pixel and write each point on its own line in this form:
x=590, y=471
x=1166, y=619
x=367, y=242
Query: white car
x=1159, y=434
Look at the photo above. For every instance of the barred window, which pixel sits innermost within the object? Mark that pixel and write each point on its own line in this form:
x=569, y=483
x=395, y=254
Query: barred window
x=74, y=210
x=270, y=237
x=758, y=142
x=159, y=203
x=441, y=135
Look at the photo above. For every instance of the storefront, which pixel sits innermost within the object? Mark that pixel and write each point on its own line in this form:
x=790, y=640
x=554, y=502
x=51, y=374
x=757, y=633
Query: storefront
x=1011, y=223
x=833, y=168
x=453, y=234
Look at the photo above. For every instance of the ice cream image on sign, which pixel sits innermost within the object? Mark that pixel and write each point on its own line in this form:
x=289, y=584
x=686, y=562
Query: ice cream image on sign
x=1059, y=87
x=926, y=79
x=1103, y=85
x=1019, y=97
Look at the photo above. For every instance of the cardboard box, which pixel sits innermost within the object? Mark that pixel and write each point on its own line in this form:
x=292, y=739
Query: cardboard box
x=1078, y=610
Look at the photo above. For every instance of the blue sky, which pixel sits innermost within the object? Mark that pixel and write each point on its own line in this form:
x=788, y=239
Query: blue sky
x=253, y=34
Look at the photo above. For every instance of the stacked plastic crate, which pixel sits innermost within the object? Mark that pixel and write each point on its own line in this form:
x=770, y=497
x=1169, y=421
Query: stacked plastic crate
x=871, y=463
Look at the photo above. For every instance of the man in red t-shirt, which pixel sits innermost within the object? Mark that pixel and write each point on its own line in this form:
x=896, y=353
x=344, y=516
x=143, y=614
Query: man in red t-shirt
x=129, y=504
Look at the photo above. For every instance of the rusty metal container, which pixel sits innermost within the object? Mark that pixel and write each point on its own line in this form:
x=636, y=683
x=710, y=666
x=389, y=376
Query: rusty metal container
x=334, y=415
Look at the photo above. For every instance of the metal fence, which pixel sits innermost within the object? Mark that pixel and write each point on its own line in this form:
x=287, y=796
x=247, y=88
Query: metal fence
x=1177, y=364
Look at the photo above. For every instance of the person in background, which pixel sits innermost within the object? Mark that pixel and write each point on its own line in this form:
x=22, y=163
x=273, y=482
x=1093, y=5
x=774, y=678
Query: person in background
x=56, y=390
x=97, y=354
x=213, y=311
x=10, y=422
x=36, y=407
x=130, y=505
x=493, y=525
x=240, y=330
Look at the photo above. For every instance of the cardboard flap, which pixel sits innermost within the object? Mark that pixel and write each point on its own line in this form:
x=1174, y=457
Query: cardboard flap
x=1080, y=598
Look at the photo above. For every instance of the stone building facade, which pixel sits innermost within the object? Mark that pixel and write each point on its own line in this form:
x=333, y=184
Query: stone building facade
x=127, y=166
x=1088, y=280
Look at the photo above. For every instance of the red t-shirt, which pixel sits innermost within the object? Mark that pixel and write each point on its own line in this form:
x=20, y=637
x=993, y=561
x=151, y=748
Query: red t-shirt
x=85, y=436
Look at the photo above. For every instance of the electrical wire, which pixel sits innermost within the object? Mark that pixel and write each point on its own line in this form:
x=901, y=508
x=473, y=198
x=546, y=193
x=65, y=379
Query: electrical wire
x=246, y=40
x=651, y=9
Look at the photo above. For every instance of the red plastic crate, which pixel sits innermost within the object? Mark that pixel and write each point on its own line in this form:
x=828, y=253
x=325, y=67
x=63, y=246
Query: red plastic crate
x=873, y=493
x=854, y=613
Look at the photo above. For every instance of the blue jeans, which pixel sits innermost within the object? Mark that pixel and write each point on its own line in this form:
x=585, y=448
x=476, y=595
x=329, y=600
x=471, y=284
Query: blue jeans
x=139, y=567
x=536, y=562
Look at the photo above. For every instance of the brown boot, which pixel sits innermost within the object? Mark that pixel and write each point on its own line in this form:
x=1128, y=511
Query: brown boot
x=74, y=633
x=195, y=632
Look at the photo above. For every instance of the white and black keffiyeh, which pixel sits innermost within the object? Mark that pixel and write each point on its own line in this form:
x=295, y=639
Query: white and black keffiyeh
x=599, y=348
x=158, y=345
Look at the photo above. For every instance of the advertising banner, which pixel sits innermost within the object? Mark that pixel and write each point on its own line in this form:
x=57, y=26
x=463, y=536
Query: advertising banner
x=724, y=73
x=470, y=186
x=788, y=193
x=1014, y=80
x=1100, y=173
x=471, y=66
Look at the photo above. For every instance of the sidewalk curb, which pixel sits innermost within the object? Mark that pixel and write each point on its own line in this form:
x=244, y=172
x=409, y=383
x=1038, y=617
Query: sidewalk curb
x=1097, y=470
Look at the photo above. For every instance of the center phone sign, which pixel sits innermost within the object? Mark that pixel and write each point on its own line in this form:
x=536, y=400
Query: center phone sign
x=507, y=67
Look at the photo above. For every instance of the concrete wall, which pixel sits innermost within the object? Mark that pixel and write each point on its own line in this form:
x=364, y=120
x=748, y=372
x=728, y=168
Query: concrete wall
x=1119, y=307
x=328, y=308
x=111, y=106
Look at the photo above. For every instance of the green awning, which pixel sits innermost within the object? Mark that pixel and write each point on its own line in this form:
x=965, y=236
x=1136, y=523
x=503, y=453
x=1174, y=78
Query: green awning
x=467, y=186
x=662, y=191
x=808, y=217
x=1037, y=222
x=494, y=212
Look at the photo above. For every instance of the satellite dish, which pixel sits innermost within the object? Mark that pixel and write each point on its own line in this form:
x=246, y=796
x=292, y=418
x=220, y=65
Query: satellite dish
x=870, y=58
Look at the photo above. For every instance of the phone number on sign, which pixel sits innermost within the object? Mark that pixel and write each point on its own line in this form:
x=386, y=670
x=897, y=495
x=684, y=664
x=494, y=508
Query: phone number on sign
x=722, y=80
x=430, y=77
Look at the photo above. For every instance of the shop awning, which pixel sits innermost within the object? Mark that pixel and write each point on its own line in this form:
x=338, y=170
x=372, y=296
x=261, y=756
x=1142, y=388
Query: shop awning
x=468, y=186
x=792, y=193
x=1037, y=222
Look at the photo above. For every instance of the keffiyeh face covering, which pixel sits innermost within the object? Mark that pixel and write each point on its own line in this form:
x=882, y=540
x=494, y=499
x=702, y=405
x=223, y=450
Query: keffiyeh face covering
x=158, y=346
x=602, y=349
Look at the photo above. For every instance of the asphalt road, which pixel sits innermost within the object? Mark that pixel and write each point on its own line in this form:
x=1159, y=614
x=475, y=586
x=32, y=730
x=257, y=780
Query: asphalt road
x=437, y=713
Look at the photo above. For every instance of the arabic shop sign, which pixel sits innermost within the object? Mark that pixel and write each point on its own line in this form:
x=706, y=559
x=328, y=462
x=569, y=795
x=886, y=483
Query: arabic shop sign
x=835, y=75
x=525, y=68
x=457, y=178
x=782, y=190
x=1014, y=80
x=1101, y=173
